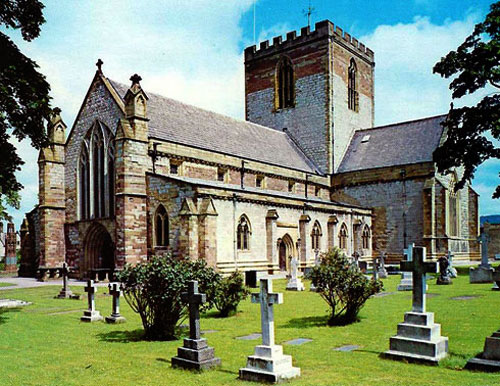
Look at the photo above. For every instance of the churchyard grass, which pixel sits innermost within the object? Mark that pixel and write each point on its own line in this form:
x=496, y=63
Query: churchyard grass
x=7, y=285
x=46, y=344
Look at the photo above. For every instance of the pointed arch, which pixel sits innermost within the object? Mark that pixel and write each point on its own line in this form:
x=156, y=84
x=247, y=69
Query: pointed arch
x=316, y=234
x=161, y=227
x=353, y=98
x=97, y=173
x=284, y=84
x=365, y=237
x=343, y=237
x=243, y=233
x=453, y=206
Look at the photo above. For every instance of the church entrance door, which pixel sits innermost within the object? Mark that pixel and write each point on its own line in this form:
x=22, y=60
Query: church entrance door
x=285, y=252
x=99, y=252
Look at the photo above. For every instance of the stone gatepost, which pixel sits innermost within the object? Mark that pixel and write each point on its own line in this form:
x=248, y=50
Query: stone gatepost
x=271, y=228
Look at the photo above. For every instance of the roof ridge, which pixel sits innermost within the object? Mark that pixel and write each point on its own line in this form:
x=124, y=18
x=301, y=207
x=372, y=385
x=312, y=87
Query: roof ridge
x=403, y=122
x=200, y=108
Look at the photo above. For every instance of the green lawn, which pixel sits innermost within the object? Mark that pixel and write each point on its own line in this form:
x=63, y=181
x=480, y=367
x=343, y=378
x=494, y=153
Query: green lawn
x=7, y=284
x=46, y=344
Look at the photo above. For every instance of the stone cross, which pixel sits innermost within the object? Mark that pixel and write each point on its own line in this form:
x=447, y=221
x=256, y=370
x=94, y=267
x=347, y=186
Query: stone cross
x=317, y=260
x=194, y=299
x=65, y=277
x=91, y=290
x=294, y=265
x=419, y=267
x=267, y=299
x=115, y=291
x=484, y=239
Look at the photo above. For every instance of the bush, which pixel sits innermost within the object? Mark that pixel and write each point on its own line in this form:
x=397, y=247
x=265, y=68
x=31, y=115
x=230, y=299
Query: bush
x=153, y=289
x=230, y=292
x=343, y=286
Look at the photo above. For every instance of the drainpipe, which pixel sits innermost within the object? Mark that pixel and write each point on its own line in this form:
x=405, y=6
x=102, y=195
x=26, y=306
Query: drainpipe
x=235, y=251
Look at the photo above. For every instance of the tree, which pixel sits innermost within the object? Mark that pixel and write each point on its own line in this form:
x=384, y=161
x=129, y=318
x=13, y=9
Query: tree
x=474, y=65
x=343, y=286
x=24, y=95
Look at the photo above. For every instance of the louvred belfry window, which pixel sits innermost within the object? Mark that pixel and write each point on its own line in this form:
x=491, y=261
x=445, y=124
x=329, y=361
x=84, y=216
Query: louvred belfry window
x=285, y=84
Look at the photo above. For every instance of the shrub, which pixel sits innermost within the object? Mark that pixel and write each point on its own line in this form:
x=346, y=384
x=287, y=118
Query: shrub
x=230, y=292
x=153, y=289
x=343, y=286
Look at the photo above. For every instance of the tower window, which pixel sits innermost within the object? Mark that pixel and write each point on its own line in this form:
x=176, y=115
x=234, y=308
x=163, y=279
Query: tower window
x=259, y=181
x=285, y=84
x=353, y=97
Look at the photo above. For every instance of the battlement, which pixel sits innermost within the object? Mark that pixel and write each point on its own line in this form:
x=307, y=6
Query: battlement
x=322, y=29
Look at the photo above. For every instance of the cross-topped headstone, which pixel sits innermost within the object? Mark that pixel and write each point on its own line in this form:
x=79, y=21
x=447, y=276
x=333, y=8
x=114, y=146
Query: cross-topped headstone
x=294, y=265
x=267, y=299
x=91, y=289
x=194, y=299
x=65, y=292
x=419, y=268
x=115, y=290
x=484, y=240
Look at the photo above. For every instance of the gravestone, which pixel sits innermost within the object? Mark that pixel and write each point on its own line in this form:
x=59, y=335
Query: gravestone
x=317, y=262
x=382, y=271
x=375, y=268
x=65, y=292
x=451, y=269
x=496, y=280
x=294, y=283
x=406, y=283
x=268, y=364
x=444, y=276
x=418, y=337
x=91, y=315
x=115, y=317
x=489, y=359
x=195, y=354
x=484, y=272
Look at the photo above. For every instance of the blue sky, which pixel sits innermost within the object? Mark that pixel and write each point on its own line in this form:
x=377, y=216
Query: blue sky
x=193, y=51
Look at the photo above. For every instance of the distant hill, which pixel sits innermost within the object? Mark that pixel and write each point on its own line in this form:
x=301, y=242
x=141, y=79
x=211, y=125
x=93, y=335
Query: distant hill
x=492, y=219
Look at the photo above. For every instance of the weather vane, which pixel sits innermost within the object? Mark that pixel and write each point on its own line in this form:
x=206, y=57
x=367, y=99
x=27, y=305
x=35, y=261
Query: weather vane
x=308, y=12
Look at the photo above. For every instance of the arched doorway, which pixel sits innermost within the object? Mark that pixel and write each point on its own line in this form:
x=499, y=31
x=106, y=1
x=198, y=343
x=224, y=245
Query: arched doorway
x=285, y=251
x=99, y=251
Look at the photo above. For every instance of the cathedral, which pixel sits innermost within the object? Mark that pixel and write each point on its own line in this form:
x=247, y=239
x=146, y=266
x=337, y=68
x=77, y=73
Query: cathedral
x=140, y=174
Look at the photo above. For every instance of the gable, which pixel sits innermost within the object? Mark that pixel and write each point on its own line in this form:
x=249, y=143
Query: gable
x=398, y=144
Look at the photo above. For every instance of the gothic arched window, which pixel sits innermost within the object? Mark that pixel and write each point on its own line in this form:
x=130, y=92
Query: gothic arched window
x=285, y=84
x=84, y=180
x=316, y=236
x=243, y=234
x=365, y=237
x=353, y=99
x=97, y=174
x=343, y=237
x=161, y=227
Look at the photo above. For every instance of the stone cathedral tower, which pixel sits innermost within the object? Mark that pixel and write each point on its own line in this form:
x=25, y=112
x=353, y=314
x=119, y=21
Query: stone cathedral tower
x=318, y=86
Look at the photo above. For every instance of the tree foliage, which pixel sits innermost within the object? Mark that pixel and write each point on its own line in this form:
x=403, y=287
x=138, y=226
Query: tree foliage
x=343, y=286
x=474, y=65
x=24, y=95
x=153, y=289
x=230, y=292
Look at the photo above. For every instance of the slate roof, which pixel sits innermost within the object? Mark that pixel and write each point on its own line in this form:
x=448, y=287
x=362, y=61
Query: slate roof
x=397, y=144
x=177, y=122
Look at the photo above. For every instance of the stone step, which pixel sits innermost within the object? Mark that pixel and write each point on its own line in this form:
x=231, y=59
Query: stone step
x=435, y=348
x=419, y=318
x=269, y=364
x=256, y=375
x=419, y=332
x=391, y=354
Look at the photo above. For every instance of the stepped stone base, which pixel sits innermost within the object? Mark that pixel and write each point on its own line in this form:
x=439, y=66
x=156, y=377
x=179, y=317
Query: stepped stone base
x=65, y=294
x=269, y=364
x=418, y=340
x=481, y=275
x=489, y=359
x=443, y=281
x=91, y=316
x=405, y=285
x=115, y=319
x=295, y=285
x=382, y=273
x=195, y=355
